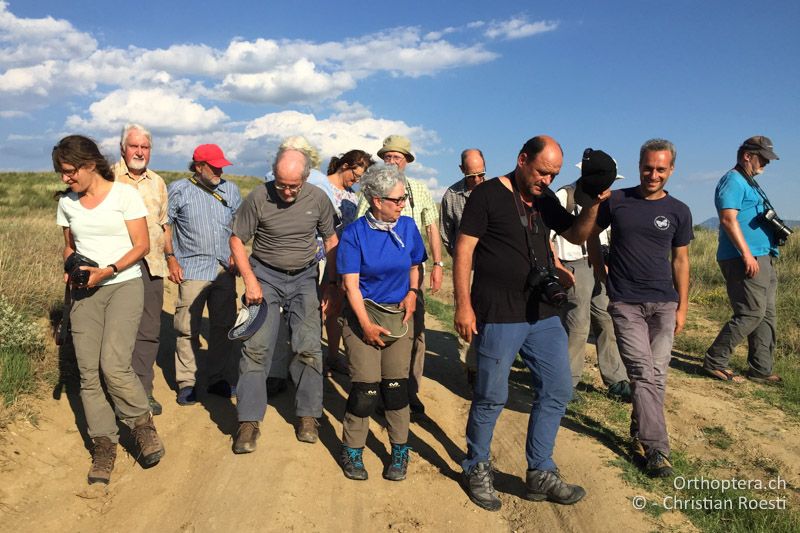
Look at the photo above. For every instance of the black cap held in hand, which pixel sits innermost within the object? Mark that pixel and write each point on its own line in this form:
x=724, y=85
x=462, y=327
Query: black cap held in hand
x=598, y=172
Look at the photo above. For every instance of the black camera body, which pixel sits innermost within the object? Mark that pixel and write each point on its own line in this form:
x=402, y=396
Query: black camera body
x=72, y=266
x=781, y=230
x=545, y=280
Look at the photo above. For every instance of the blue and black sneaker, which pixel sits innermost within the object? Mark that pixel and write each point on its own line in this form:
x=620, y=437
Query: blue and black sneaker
x=396, y=471
x=352, y=463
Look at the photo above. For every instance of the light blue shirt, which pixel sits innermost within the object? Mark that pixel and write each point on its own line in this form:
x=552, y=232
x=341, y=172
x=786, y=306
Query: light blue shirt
x=734, y=192
x=201, y=227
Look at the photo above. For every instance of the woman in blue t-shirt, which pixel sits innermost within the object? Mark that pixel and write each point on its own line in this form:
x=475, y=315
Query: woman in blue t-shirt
x=378, y=258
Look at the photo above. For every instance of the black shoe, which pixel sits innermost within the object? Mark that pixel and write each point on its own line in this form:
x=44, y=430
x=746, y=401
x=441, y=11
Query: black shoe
x=186, y=396
x=658, y=465
x=155, y=407
x=479, y=484
x=621, y=391
x=396, y=471
x=350, y=459
x=545, y=485
x=275, y=386
x=222, y=388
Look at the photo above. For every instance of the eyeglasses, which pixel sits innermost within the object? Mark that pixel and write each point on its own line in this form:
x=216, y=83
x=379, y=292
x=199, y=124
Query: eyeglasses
x=393, y=158
x=290, y=188
x=70, y=173
x=475, y=175
x=396, y=201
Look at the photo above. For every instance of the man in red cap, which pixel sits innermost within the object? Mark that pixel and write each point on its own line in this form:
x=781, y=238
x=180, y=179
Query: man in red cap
x=200, y=211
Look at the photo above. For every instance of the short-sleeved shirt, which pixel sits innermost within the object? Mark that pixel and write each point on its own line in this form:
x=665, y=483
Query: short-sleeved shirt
x=502, y=259
x=419, y=206
x=201, y=227
x=154, y=194
x=379, y=260
x=734, y=192
x=284, y=234
x=643, y=234
x=453, y=202
x=100, y=233
x=345, y=201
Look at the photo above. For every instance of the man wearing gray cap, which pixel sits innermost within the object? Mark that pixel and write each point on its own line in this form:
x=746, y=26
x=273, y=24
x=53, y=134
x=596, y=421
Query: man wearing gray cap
x=396, y=150
x=748, y=246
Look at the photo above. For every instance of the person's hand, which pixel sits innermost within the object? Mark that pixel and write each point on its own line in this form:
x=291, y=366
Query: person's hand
x=175, y=270
x=66, y=277
x=465, y=323
x=328, y=298
x=252, y=292
x=565, y=276
x=750, y=265
x=96, y=275
x=436, y=278
x=680, y=320
x=372, y=334
x=409, y=304
x=603, y=196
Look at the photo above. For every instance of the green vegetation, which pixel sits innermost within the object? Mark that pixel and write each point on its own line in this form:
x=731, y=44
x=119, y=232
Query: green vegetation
x=21, y=346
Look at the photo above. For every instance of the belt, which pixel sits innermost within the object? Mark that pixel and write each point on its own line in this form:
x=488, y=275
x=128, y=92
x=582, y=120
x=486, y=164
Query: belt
x=288, y=272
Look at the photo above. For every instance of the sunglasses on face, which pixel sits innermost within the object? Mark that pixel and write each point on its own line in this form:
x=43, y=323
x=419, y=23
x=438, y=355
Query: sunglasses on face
x=396, y=201
x=475, y=175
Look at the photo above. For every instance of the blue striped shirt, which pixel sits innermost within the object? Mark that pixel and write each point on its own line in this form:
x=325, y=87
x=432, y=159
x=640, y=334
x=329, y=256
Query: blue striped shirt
x=201, y=227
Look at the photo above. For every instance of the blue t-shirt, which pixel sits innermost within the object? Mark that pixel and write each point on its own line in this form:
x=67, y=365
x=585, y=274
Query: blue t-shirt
x=733, y=192
x=643, y=234
x=381, y=263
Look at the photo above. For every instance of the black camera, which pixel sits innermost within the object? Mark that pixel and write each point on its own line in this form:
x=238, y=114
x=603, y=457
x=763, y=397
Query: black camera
x=546, y=282
x=781, y=230
x=72, y=266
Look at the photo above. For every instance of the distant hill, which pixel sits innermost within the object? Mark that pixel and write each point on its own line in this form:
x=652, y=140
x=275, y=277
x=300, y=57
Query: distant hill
x=713, y=223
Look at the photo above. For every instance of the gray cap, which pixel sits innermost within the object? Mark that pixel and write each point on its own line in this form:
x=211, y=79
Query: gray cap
x=760, y=145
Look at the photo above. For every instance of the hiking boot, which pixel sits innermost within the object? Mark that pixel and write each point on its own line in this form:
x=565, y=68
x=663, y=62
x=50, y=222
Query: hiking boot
x=155, y=407
x=151, y=449
x=186, y=396
x=621, y=391
x=658, y=465
x=104, y=452
x=479, y=484
x=306, y=429
x=246, y=436
x=222, y=388
x=275, y=386
x=545, y=485
x=638, y=455
x=350, y=459
x=396, y=471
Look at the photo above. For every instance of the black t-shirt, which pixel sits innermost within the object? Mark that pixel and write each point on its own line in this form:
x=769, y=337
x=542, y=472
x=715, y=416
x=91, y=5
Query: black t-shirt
x=502, y=260
x=643, y=234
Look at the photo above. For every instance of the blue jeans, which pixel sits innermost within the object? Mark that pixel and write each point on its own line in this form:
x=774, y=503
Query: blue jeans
x=298, y=296
x=543, y=347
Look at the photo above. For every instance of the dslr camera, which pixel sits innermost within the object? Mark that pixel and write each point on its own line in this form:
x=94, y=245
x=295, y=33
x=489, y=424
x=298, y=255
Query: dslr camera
x=78, y=278
x=546, y=282
x=780, y=229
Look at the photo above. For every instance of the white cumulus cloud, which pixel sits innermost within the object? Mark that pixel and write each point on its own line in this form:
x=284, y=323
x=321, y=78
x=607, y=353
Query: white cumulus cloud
x=518, y=28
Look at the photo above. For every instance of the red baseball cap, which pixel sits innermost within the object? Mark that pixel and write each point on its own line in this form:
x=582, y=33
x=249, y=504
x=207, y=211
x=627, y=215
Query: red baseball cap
x=211, y=154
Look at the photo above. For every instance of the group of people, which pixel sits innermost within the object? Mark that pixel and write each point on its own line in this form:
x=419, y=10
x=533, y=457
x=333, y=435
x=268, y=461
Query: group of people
x=533, y=270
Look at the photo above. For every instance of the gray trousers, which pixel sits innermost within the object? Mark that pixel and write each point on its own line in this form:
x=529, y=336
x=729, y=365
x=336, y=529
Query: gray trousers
x=754, y=317
x=298, y=296
x=103, y=332
x=418, y=350
x=644, y=335
x=145, y=350
x=587, y=308
x=193, y=296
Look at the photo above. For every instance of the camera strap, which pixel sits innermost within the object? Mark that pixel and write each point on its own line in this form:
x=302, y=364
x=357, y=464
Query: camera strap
x=215, y=194
x=531, y=228
x=754, y=184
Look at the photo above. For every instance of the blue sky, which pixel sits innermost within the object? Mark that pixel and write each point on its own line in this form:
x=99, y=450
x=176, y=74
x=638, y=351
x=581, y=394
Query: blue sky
x=449, y=75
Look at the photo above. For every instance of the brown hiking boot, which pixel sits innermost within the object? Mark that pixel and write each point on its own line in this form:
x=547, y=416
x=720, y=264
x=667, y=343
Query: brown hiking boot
x=306, y=429
x=104, y=452
x=246, y=437
x=151, y=450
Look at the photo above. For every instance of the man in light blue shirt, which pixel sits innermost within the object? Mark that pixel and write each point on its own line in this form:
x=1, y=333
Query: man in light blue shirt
x=200, y=212
x=747, y=249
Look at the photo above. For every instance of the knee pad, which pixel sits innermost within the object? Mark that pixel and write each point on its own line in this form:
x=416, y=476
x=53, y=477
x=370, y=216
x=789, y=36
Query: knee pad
x=395, y=393
x=362, y=399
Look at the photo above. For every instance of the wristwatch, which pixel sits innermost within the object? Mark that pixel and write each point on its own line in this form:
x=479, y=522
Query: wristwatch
x=167, y=256
x=438, y=264
x=114, y=268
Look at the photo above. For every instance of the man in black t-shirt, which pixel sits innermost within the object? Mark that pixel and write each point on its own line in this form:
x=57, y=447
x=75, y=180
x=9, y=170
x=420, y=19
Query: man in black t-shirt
x=504, y=233
x=648, y=289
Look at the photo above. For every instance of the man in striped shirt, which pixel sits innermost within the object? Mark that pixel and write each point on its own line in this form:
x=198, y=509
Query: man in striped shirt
x=200, y=212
